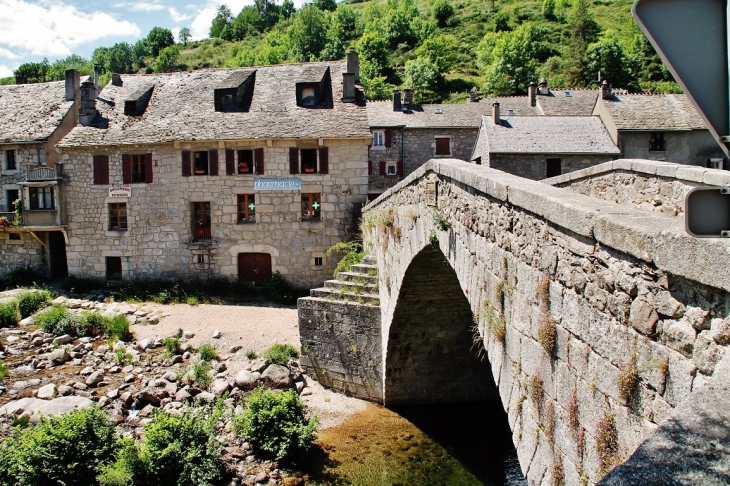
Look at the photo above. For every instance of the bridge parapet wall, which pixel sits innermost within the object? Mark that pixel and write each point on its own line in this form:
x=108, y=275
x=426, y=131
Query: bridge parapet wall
x=639, y=308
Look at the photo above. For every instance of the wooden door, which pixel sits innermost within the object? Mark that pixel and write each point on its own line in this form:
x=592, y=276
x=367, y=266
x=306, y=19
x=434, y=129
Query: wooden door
x=254, y=267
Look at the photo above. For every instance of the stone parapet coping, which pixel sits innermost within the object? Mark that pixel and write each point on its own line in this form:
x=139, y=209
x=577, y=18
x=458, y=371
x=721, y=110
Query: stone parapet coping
x=687, y=173
x=654, y=238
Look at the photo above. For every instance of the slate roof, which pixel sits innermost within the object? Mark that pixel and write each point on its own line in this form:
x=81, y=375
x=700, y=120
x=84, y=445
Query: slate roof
x=31, y=112
x=544, y=135
x=182, y=109
x=581, y=102
x=464, y=115
x=653, y=112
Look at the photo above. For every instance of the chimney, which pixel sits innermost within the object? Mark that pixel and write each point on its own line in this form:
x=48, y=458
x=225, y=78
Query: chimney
x=495, y=113
x=396, y=101
x=20, y=79
x=349, y=92
x=353, y=64
x=96, y=77
x=72, y=84
x=87, y=110
x=473, y=95
x=606, y=90
x=407, y=98
x=532, y=93
x=117, y=80
x=542, y=88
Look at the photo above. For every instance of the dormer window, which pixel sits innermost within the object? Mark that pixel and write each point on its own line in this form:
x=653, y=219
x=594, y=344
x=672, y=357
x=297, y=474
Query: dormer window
x=227, y=103
x=235, y=93
x=314, y=89
x=308, y=97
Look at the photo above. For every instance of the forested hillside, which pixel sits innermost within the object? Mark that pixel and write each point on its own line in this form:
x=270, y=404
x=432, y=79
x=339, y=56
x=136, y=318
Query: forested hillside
x=440, y=48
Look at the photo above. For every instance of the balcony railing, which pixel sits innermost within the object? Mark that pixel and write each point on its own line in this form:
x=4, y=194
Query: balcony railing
x=201, y=234
x=31, y=218
x=43, y=173
x=9, y=217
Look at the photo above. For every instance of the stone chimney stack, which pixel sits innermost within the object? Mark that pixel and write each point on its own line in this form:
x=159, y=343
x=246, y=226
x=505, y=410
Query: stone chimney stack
x=407, y=99
x=349, y=92
x=473, y=95
x=87, y=110
x=117, y=80
x=20, y=79
x=353, y=64
x=532, y=93
x=96, y=77
x=72, y=84
x=495, y=114
x=396, y=101
x=543, y=88
x=606, y=90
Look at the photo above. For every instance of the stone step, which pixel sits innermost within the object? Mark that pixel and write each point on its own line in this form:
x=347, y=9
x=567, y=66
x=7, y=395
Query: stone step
x=361, y=278
x=364, y=268
x=369, y=260
x=367, y=303
x=338, y=284
x=362, y=298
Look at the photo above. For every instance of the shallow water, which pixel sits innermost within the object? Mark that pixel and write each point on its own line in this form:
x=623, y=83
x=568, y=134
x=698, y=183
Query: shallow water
x=450, y=445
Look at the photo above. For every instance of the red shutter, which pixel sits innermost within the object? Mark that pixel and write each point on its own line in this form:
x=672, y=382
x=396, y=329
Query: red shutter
x=400, y=167
x=370, y=166
x=258, y=157
x=213, y=162
x=388, y=138
x=382, y=167
x=324, y=160
x=186, y=169
x=148, y=168
x=126, y=169
x=101, y=169
x=293, y=160
x=230, y=162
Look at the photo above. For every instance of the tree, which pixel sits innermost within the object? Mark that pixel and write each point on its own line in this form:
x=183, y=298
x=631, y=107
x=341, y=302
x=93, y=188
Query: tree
x=583, y=31
x=548, y=9
x=184, y=36
x=514, y=61
x=308, y=34
x=158, y=39
x=421, y=75
x=33, y=72
x=140, y=51
x=220, y=21
x=119, y=59
x=608, y=57
x=287, y=8
x=373, y=51
x=442, y=11
x=167, y=60
x=326, y=5
x=442, y=50
x=398, y=22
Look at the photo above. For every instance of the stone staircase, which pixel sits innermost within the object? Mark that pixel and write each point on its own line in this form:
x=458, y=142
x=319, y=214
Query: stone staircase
x=359, y=285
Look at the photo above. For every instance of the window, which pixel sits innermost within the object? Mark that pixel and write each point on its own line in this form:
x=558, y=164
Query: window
x=309, y=97
x=201, y=221
x=311, y=205
x=138, y=168
x=118, y=216
x=657, y=142
x=14, y=236
x=245, y=161
x=200, y=258
x=318, y=261
x=442, y=146
x=246, y=208
x=41, y=197
x=391, y=169
x=378, y=139
x=200, y=166
x=227, y=102
x=113, y=268
x=11, y=195
x=309, y=161
x=10, y=160
x=553, y=168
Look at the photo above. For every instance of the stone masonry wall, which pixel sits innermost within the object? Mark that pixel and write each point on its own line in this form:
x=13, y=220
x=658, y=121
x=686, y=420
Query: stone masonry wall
x=25, y=156
x=158, y=242
x=688, y=147
x=639, y=308
x=535, y=166
x=26, y=252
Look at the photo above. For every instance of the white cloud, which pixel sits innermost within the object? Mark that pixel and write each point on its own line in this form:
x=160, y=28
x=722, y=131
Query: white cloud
x=200, y=27
x=5, y=71
x=140, y=6
x=8, y=54
x=177, y=16
x=57, y=28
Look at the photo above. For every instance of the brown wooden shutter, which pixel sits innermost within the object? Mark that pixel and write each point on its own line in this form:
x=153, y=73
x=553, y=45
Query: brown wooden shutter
x=370, y=167
x=258, y=157
x=400, y=167
x=324, y=160
x=186, y=168
x=388, y=138
x=126, y=169
x=213, y=162
x=101, y=169
x=382, y=168
x=230, y=162
x=148, y=168
x=293, y=160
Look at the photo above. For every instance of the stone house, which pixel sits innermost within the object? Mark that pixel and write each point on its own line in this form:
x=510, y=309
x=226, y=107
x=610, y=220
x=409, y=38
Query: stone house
x=658, y=127
x=217, y=172
x=537, y=147
x=33, y=118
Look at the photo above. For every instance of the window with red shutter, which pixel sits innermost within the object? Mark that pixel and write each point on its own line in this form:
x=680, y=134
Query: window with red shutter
x=126, y=168
x=400, y=167
x=443, y=146
x=388, y=138
x=259, y=160
x=148, y=168
x=382, y=167
x=230, y=162
x=324, y=161
x=293, y=160
x=101, y=169
x=186, y=165
x=213, y=162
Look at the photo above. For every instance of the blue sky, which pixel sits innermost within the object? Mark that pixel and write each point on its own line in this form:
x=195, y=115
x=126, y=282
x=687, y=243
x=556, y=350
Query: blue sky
x=32, y=30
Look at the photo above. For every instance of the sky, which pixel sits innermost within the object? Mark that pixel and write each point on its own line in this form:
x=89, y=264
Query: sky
x=54, y=29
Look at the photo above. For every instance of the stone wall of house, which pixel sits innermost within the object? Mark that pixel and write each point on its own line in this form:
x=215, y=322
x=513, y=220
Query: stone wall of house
x=25, y=252
x=647, y=185
x=690, y=147
x=159, y=241
x=535, y=166
x=25, y=156
x=640, y=310
x=378, y=183
x=420, y=145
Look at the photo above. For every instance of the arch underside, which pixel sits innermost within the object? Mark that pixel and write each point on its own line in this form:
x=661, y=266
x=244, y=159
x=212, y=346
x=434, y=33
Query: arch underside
x=431, y=356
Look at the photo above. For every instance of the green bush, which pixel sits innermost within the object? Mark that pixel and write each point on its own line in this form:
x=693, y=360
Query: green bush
x=9, y=315
x=207, y=352
x=58, y=321
x=278, y=289
x=24, y=277
x=197, y=374
x=65, y=450
x=274, y=423
x=117, y=327
x=353, y=255
x=3, y=370
x=172, y=346
x=30, y=302
x=82, y=285
x=178, y=450
x=281, y=353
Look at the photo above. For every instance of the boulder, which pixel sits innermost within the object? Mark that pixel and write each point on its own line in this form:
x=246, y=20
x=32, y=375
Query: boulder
x=59, y=356
x=642, y=316
x=219, y=387
x=151, y=396
x=679, y=335
x=667, y=305
x=277, y=376
x=245, y=380
x=205, y=397
x=182, y=395
x=145, y=344
x=720, y=330
x=46, y=392
x=217, y=334
x=95, y=378
x=61, y=340
x=37, y=407
x=707, y=353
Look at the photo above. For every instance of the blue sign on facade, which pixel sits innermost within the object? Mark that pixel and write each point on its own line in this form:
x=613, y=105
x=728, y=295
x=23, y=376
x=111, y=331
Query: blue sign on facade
x=282, y=184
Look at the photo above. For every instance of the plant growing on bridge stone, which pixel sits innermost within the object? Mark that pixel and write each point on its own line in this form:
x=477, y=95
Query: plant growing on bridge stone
x=607, y=443
x=353, y=254
x=628, y=379
x=558, y=478
x=534, y=388
x=496, y=326
x=550, y=422
x=442, y=223
x=573, y=412
x=433, y=239
x=547, y=334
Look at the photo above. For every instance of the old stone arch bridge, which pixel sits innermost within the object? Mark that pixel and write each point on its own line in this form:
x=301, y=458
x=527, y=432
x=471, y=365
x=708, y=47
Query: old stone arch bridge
x=588, y=319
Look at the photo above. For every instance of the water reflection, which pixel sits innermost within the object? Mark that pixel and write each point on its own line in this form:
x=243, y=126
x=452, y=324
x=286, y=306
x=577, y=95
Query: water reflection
x=450, y=445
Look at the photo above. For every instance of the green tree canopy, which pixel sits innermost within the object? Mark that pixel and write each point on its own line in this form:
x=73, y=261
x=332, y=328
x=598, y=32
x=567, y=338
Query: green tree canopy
x=220, y=21
x=442, y=50
x=167, y=60
x=308, y=34
x=158, y=39
x=422, y=75
x=184, y=36
x=442, y=11
x=514, y=61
